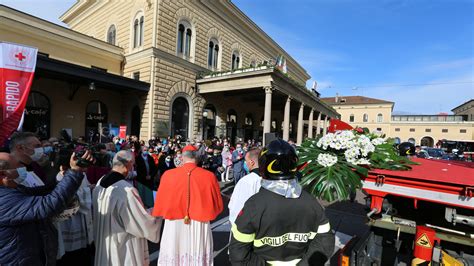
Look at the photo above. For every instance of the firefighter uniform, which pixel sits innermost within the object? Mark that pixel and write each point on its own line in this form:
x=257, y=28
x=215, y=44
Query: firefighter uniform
x=281, y=224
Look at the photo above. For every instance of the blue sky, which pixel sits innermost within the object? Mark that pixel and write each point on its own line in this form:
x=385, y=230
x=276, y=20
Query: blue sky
x=384, y=49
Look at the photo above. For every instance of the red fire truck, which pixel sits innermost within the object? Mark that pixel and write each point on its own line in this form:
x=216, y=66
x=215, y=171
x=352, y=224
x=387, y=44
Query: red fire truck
x=425, y=214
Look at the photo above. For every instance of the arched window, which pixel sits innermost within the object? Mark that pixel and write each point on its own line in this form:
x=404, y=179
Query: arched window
x=180, y=117
x=379, y=118
x=366, y=118
x=185, y=39
x=96, y=117
x=412, y=140
x=397, y=140
x=248, y=120
x=253, y=63
x=138, y=24
x=235, y=60
x=232, y=116
x=37, y=115
x=351, y=118
x=111, y=34
x=213, y=54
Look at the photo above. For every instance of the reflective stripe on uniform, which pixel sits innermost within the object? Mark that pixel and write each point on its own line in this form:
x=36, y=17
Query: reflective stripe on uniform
x=324, y=228
x=241, y=237
x=284, y=263
x=280, y=240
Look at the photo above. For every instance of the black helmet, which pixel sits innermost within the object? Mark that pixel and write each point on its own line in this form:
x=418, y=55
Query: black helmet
x=406, y=149
x=278, y=161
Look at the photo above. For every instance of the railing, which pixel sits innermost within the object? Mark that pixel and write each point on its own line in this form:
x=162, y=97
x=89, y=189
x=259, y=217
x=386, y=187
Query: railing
x=428, y=118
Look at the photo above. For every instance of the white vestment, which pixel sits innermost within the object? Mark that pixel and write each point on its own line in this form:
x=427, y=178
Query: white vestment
x=122, y=226
x=76, y=233
x=247, y=186
x=186, y=244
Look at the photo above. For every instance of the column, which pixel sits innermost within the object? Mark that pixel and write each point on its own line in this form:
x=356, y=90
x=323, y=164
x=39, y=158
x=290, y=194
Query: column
x=267, y=118
x=318, y=125
x=299, y=136
x=286, y=121
x=325, y=129
x=310, y=124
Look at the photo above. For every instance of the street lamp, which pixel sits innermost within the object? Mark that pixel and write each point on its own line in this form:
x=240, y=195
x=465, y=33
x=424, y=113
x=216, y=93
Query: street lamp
x=204, y=115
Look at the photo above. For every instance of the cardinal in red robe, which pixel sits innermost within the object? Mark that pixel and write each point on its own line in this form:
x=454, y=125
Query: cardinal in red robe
x=188, y=198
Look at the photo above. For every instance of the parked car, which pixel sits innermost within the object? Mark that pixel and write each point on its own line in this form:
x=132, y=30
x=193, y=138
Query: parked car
x=438, y=154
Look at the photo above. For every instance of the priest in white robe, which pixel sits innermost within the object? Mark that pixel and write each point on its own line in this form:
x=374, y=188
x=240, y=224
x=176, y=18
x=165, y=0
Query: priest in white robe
x=122, y=226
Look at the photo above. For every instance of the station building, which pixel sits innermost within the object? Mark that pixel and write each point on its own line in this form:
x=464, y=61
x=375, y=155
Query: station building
x=192, y=68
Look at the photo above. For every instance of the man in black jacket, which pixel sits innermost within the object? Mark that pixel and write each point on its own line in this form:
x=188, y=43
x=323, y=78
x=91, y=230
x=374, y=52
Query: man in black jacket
x=146, y=172
x=281, y=223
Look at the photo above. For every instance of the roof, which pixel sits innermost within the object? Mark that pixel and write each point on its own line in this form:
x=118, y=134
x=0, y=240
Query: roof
x=462, y=104
x=350, y=100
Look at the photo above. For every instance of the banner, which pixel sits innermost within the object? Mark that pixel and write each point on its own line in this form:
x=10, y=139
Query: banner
x=17, y=66
x=123, y=132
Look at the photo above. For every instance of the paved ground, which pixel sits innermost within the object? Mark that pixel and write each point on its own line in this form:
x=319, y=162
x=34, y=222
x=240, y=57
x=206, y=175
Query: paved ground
x=346, y=217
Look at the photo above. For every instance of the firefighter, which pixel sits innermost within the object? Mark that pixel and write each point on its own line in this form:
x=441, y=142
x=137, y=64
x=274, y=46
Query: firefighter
x=406, y=149
x=281, y=224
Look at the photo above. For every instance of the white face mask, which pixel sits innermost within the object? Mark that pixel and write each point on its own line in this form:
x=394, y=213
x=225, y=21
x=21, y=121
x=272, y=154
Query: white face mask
x=36, y=156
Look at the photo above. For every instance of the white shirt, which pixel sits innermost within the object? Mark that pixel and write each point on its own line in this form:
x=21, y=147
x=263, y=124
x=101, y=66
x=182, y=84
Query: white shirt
x=247, y=186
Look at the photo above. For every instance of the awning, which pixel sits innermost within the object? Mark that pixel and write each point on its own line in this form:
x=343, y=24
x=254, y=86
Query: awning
x=48, y=67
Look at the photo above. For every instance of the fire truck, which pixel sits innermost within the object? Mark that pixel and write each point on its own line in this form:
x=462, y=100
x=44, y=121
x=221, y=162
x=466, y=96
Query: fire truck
x=424, y=216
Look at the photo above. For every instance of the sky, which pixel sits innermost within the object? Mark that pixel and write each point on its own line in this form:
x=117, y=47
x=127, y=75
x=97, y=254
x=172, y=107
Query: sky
x=416, y=53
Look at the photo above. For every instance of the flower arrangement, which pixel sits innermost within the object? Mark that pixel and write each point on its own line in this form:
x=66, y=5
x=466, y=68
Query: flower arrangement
x=335, y=161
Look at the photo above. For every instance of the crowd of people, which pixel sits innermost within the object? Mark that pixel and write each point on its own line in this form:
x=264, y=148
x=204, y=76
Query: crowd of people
x=66, y=202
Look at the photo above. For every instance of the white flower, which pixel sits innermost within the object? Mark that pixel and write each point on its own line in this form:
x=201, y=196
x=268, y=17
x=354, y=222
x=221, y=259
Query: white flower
x=378, y=141
x=326, y=160
x=363, y=161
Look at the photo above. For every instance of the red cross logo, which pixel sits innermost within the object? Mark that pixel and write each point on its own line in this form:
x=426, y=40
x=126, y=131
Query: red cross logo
x=20, y=56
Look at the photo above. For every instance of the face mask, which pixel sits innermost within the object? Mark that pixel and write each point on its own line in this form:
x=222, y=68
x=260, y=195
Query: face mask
x=239, y=148
x=246, y=168
x=47, y=149
x=131, y=174
x=168, y=160
x=39, y=152
x=145, y=153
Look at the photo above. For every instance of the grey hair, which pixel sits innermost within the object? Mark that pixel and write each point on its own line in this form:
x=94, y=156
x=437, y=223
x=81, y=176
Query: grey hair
x=190, y=154
x=122, y=158
x=20, y=138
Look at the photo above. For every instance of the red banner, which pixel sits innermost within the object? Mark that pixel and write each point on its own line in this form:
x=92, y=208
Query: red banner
x=17, y=66
x=123, y=132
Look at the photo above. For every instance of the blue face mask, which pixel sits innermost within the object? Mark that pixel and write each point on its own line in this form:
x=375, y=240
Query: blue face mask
x=246, y=168
x=47, y=149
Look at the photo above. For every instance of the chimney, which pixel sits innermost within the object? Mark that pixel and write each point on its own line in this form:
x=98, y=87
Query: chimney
x=337, y=98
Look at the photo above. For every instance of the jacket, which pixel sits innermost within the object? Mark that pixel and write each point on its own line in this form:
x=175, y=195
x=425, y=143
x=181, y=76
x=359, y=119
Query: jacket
x=142, y=170
x=272, y=229
x=25, y=218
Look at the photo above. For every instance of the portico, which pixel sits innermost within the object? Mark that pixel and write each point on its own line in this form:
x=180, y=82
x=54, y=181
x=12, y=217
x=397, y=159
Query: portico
x=287, y=107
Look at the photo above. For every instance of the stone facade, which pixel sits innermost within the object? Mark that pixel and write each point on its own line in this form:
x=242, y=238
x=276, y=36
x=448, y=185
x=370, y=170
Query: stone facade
x=158, y=62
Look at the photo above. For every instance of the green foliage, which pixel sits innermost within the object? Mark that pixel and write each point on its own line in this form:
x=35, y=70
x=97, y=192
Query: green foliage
x=337, y=181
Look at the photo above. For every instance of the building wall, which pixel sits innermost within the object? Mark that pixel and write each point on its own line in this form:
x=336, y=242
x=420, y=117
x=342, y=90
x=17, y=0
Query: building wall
x=454, y=131
x=172, y=78
x=372, y=110
x=96, y=21
x=67, y=113
x=396, y=129
x=60, y=48
x=466, y=109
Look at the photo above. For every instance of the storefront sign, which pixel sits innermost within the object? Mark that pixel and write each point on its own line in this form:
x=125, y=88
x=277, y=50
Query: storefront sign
x=17, y=66
x=100, y=118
